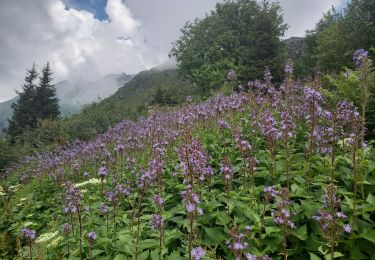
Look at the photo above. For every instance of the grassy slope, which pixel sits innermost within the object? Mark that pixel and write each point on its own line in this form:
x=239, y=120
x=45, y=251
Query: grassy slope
x=130, y=101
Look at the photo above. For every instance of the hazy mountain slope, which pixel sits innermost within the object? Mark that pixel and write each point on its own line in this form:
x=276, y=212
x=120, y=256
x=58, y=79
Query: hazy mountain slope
x=129, y=101
x=295, y=47
x=73, y=94
x=6, y=111
x=141, y=89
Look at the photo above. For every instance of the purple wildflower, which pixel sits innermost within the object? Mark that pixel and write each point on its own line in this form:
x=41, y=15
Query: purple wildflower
x=232, y=75
x=288, y=67
x=103, y=208
x=197, y=253
x=91, y=236
x=66, y=228
x=360, y=56
x=103, y=172
x=250, y=257
x=190, y=207
x=157, y=222
x=347, y=228
x=158, y=200
x=29, y=233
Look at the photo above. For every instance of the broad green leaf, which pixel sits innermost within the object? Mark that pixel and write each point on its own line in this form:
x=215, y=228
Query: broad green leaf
x=369, y=235
x=149, y=243
x=300, y=233
x=174, y=256
x=120, y=257
x=314, y=257
x=96, y=252
x=270, y=230
x=214, y=235
x=370, y=199
x=144, y=255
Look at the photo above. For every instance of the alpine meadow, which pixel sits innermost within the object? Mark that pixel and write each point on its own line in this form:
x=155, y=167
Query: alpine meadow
x=244, y=141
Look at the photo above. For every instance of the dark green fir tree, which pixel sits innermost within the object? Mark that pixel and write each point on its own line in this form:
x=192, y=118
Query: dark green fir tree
x=46, y=102
x=24, y=110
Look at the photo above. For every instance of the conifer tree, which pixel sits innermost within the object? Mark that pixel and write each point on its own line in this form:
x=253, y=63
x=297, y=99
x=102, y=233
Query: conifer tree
x=24, y=114
x=46, y=102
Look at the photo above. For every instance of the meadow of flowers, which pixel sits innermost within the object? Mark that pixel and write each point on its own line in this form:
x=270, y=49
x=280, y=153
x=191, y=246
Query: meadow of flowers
x=266, y=173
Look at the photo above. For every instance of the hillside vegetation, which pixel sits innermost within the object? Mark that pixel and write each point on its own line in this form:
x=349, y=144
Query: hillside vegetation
x=237, y=176
x=206, y=161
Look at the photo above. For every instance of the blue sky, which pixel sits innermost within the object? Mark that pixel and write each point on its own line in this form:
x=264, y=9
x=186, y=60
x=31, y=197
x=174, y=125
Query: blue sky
x=97, y=7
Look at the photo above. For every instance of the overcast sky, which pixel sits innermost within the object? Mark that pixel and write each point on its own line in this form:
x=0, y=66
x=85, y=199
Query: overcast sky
x=90, y=38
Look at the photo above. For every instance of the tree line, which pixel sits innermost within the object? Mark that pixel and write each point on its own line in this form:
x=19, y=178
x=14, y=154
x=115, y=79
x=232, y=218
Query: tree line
x=330, y=46
x=242, y=35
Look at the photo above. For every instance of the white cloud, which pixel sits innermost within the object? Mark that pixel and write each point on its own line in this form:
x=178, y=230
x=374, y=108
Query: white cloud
x=302, y=15
x=136, y=36
x=74, y=42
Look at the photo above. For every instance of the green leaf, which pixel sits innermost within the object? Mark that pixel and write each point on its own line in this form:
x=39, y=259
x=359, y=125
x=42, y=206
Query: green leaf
x=96, y=252
x=213, y=235
x=335, y=255
x=174, y=256
x=270, y=230
x=144, y=255
x=125, y=238
x=368, y=235
x=370, y=199
x=120, y=257
x=314, y=257
x=149, y=243
x=249, y=213
x=300, y=233
x=365, y=182
x=154, y=255
x=221, y=218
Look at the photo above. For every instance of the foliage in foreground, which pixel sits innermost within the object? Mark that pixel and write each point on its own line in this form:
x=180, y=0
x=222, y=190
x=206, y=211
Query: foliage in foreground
x=268, y=173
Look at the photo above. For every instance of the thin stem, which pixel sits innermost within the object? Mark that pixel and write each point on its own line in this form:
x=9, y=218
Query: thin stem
x=31, y=249
x=139, y=223
x=354, y=160
x=80, y=233
x=191, y=219
x=287, y=163
x=333, y=150
x=285, y=247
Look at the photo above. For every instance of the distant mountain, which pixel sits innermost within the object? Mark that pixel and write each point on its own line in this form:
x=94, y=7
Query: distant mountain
x=6, y=111
x=73, y=94
x=295, y=47
x=129, y=102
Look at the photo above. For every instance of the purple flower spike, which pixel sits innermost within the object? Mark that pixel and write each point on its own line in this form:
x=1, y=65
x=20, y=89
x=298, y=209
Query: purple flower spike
x=103, y=172
x=29, y=233
x=232, y=75
x=158, y=200
x=347, y=228
x=91, y=236
x=103, y=208
x=251, y=257
x=190, y=207
x=288, y=68
x=66, y=228
x=157, y=222
x=197, y=253
x=359, y=56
